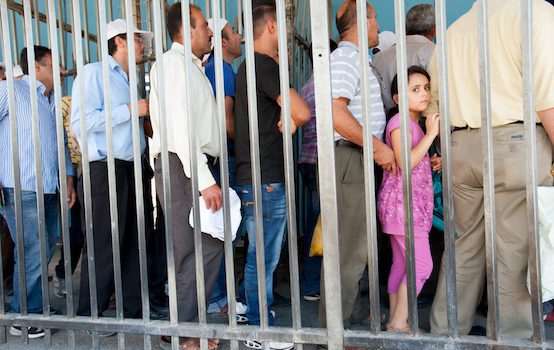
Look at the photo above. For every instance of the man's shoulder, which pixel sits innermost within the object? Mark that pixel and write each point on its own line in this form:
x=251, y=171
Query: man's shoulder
x=345, y=55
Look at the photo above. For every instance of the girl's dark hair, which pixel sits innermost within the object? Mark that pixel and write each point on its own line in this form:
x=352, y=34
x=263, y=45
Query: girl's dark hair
x=394, y=86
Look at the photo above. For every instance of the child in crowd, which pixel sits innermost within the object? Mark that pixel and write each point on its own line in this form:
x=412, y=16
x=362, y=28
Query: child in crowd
x=390, y=198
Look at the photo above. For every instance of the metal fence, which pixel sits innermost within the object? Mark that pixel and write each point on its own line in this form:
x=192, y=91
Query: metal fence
x=335, y=336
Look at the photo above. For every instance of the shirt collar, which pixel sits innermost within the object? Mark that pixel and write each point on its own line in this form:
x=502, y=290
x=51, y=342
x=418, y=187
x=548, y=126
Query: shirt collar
x=40, y=86
x=349, y=44
x=181, y=50
x=116, y=66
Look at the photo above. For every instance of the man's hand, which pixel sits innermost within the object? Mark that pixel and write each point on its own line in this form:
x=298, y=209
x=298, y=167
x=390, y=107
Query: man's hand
x=384, y=156
x=436, y=163
x=293, y=126
x=71, y=194
x=143, y=108
x=213, y=197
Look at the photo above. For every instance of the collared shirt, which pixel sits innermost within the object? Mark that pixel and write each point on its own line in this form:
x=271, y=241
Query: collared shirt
x=309, y=132
x=48, y=138
x=94, y=105
x=203, y=110
x=419, y=52
x=229, y=76
x=505, y=64
x=345, y=82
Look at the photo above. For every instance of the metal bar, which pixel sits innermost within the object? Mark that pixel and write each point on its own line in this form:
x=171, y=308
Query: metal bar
x=164, y=36
x=39, y=190
x=85, y=27
x=369, y=178
x=139, y=194
x=445, y=136
x=97, y=27
x=62, y=34
x=36, y=21
x=159, y=47
x=255, y=163
x=223, y=9
x=7, y=54
x=60, y=133
x=288, y=152
x=488, y=170
x=531, y=169
x=402, y=68
x=14, y=37
x=87, y=200
x=112, y=189
x=240, y=28
x=224, y=170
x=109, y=8
x=327, y=178
x=3, y=335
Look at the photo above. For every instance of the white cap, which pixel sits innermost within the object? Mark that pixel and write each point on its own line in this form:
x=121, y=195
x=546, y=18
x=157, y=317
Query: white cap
x=17, y=71
x=212, y=222
x=119, y=26
x=386, y=40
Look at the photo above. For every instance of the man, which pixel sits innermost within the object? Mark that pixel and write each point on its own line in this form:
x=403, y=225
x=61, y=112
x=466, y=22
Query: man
x=94, y=105
x=347, y=113
x=232, y=49
x=50, y=176
x=207, y=148
x=2, y=71
x=509, y=158
x=420, y=33
x=271, y=156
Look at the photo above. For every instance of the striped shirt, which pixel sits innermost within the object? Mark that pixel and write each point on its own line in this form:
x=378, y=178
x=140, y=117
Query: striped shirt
x=309, y=131
x=47, y=132
x=345, y=82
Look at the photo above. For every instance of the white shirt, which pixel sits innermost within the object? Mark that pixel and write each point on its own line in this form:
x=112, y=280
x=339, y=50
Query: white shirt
x=203, y=110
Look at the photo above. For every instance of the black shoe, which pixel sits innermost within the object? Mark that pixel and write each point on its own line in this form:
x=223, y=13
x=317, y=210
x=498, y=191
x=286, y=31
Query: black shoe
x=312, y=296
x=279, y=300
x=478, y=330
x=33, y=332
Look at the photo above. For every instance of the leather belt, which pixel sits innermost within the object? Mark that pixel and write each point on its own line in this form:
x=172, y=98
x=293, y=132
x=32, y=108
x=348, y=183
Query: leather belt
x=468, y=128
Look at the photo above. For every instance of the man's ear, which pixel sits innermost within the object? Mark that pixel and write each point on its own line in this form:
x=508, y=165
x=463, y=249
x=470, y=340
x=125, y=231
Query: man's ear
x=271, y=26
x=120, y=42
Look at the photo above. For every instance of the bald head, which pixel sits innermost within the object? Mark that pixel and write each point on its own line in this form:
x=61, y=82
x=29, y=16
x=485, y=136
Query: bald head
x=346, y=17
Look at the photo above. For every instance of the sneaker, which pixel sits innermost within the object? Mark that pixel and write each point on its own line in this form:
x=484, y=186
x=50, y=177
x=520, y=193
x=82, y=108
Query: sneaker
x=279, y=300
x=33, y=332
x=312, y=296
x=256, y=345
x=59, y=287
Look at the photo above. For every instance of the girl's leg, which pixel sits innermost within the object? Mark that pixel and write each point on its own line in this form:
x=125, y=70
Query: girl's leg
x=393, y=300
x=397, y=272
x=424, y=261
x=399, y=321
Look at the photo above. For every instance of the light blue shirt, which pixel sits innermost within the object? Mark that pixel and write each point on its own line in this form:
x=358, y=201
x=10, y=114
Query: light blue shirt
x=47, y=135
x=120, y=93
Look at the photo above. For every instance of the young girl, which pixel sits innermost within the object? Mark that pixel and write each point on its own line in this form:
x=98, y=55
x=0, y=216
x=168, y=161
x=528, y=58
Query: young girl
x=390, y=199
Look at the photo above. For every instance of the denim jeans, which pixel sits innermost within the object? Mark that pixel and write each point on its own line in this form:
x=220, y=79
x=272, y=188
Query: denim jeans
x=31, y=243
x=274, y=210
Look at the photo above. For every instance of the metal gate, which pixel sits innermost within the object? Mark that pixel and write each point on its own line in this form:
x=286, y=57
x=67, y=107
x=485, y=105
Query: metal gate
x=318, y=32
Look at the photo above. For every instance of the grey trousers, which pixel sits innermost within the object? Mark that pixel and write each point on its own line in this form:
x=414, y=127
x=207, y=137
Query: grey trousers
x=349, y=167
x=511, y=228
x=183, y=241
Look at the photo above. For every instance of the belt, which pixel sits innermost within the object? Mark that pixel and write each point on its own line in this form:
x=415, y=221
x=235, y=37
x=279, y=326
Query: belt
x=467, y=127
x=347, y=143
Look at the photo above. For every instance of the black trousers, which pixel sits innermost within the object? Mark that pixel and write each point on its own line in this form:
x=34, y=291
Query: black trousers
x=128, y=240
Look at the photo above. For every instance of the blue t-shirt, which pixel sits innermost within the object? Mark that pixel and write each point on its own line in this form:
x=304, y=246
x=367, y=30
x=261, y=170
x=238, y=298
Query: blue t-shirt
x=229, y=76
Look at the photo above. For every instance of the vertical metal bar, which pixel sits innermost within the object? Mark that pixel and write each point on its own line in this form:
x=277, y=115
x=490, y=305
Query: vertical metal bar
x=7, y=51
x=223, y=9
x=114, y=217
x=369, y=178
x=36, y=20
x=164, y=36
x=109, y=13
x=531, y=168
x=85, y=28
x=191, y=124
x=445, y=136
x=488, y=170
x=240, y=17
x=3, y=335
x=327, y=178
x=14, y=38
x=288, y=153
x=39, y=190
x=402, y=68
x=137, y=158
x=255, y=158
x=97, y=28
x=62, y=34
x=224, y=169
x=158, y=42
x=86, y=201
x=62, y=167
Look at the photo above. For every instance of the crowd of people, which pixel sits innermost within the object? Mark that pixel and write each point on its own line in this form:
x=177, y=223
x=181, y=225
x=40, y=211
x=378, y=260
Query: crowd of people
x=168, y=105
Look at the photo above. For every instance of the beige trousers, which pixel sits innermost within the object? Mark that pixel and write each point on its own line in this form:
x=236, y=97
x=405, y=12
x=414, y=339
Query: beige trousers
x=511, y=228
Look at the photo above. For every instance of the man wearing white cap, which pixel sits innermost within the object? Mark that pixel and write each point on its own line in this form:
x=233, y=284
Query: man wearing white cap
x=120, y=114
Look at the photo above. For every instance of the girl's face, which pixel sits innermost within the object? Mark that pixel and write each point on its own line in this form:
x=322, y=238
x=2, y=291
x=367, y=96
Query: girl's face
x=418, y=93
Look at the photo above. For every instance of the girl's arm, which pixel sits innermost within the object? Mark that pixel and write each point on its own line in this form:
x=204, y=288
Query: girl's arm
x=419, y=151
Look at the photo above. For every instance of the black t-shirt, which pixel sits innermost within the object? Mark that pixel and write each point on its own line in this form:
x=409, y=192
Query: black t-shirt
x=271, y=139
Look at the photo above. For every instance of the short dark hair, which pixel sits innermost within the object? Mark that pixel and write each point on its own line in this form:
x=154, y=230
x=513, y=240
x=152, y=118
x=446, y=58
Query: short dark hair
x=261, y=12
x=174, y=20
x=420, y=20
x=41, y=53
x=112, y=46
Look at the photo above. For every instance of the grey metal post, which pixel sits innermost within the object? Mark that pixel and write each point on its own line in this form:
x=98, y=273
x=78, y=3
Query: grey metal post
x=86, y=31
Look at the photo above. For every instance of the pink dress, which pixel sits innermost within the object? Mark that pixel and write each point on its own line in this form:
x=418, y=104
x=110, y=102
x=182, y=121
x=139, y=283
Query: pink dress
x=390, y=201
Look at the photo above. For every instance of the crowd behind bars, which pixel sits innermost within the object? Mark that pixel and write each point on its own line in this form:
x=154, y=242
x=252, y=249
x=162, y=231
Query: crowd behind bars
x=467, y=175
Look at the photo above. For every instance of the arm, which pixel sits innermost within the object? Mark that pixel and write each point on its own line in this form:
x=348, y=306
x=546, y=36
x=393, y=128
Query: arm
x=230, y=116
x=547, y=118
x=299, y=110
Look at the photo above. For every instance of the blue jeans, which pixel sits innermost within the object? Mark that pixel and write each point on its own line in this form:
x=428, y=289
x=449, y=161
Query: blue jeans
x=31, y=243
x=274, y=209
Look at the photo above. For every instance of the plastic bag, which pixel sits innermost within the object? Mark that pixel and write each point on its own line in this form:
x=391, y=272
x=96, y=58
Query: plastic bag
x=316, y=248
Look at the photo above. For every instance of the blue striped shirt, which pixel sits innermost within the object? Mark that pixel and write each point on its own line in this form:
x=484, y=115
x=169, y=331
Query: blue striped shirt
x=47, y=132
x=345, y=82
x=120, y=93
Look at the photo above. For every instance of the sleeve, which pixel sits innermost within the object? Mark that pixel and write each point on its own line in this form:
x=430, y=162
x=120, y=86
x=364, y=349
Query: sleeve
x=345, y=77
x=543, y=52
x=393, y=124
x=267, y=78
x=229, y=80
x=434, y=100
x=4, y=108
x=69, y=169
x=94, y=104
